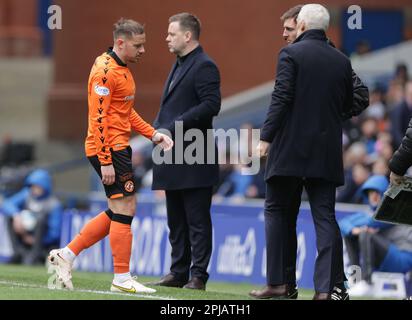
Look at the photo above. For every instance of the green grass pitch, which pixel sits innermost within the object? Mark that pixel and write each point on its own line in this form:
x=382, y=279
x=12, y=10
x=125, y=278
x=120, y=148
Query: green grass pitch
x=23, y=282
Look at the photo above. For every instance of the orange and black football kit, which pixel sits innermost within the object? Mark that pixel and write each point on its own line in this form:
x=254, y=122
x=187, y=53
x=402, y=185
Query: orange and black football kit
x=111, y=91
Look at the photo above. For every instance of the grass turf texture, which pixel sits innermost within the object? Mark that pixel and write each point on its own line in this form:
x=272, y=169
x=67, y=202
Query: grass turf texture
x=23, y=282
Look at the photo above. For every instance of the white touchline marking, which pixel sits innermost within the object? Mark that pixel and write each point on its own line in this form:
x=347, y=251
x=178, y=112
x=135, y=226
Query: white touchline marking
x=26, y=285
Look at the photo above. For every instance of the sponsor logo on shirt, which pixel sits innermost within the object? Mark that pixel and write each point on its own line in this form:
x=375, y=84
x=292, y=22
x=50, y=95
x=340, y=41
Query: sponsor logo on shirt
x=101, y=91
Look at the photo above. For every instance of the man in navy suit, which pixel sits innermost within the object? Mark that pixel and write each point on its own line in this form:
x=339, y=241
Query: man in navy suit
x=302, y=138
x=360, y=102
x=191, y=99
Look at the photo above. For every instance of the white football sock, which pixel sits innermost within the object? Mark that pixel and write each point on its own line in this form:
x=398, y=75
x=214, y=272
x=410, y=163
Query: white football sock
x=68, y=255
x=122, y=277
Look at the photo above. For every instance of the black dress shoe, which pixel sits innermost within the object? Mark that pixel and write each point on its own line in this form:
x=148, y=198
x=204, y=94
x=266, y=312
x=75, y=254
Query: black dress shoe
x=195, y=283
x=284, y=291
x=169, y=280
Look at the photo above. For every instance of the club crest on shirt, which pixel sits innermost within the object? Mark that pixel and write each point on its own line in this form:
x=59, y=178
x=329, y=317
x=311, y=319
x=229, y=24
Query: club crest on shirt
x=129, y=186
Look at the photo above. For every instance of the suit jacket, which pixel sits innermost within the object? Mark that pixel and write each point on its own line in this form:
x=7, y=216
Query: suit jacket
x=402, y=158
x=399, y=117
x=194, y=98
x=313, y=90
x=360, y=95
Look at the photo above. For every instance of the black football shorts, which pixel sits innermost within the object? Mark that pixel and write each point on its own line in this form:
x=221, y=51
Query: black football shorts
x=124, y=184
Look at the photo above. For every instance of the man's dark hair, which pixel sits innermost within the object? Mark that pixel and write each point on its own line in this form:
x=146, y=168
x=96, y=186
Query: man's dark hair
x=188, y=22
x=127, y=28
x=292, y=13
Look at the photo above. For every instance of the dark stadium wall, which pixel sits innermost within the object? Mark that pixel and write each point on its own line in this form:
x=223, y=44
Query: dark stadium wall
x=242, y=37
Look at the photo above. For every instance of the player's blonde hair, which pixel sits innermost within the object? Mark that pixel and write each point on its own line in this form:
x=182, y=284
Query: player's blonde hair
x=127, y=28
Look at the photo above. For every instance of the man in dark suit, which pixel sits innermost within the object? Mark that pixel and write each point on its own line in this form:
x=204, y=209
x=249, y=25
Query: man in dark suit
x=360, y=103
x=360, y=90
x=302, y=137
x=191, y=98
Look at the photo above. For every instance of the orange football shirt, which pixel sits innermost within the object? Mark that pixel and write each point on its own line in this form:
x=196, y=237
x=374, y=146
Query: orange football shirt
x=111, y=91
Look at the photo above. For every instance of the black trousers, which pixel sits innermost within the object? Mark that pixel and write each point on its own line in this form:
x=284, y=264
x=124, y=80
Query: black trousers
x=190, y=224
x=283, y=197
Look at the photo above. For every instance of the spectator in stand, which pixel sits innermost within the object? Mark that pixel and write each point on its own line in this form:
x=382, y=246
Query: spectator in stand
x=401, y=73
x=380, y=167
x=236, y=184
x=362, y=48
x=377, y=108
x=395, y=94
x=369, y=129
x=375, y=245
x=385, y=150
x=34, y=221
x=355, y=172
